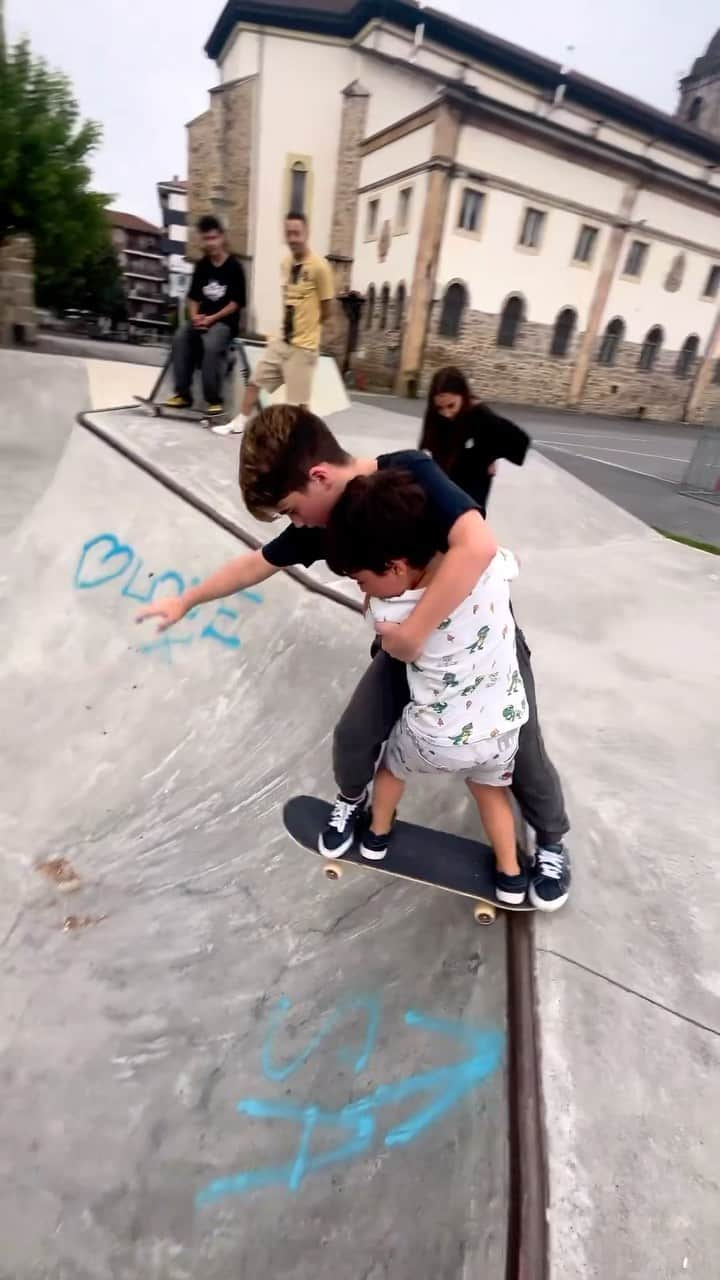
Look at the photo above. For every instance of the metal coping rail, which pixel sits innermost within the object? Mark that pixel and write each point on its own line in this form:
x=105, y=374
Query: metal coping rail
x=527, y=1251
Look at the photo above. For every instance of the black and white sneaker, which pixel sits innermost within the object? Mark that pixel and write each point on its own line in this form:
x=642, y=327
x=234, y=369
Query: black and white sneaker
x=550, y=878
x=374, y=847
x=511, y=890
x=343, y=822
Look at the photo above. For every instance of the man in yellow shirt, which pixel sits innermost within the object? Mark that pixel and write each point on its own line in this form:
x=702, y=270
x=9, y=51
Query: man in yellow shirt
x=290, y=358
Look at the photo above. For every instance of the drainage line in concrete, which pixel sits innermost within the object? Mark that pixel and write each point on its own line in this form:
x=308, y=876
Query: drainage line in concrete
x=527, y=1238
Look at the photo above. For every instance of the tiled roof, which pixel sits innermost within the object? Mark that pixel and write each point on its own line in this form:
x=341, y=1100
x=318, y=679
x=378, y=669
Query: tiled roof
x=129, y=222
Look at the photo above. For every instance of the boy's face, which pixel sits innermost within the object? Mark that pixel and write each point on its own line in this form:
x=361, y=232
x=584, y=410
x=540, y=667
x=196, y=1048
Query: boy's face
x=312, y=505
x=396, y=579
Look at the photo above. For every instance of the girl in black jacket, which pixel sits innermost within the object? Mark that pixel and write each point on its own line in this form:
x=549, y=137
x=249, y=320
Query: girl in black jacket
x=466, y=439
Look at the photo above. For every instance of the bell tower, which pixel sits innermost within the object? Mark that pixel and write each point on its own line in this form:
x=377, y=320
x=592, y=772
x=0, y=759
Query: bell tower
x=699, y=103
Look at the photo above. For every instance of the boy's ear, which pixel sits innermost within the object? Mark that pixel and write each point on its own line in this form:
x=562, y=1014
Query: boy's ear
x=320, y=472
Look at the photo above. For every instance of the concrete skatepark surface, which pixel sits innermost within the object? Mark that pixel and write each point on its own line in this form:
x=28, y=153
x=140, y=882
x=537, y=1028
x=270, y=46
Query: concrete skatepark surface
x=127, y=1044
x=206, y=1005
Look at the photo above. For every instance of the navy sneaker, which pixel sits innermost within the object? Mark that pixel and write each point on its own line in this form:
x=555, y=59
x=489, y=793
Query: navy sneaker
x=339, y=834
x=373, y=846
x=511, y=890
x=550, y=877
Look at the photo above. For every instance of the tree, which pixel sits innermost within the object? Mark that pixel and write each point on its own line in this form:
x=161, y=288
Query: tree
x=45, y=174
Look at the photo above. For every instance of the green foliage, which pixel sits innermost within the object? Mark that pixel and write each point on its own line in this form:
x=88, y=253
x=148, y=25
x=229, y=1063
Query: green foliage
x=44, y=182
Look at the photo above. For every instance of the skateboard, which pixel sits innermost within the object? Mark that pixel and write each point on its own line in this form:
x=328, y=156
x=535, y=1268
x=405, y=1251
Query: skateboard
x=434, y=858
x=159, y=410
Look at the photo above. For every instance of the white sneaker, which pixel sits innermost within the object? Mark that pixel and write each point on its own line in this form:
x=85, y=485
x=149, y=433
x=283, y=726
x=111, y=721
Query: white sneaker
x=234, y=427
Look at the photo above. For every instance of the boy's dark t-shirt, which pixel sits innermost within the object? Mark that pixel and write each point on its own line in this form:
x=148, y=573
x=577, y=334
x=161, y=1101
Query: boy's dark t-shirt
x=448, y=502
x=214, y=287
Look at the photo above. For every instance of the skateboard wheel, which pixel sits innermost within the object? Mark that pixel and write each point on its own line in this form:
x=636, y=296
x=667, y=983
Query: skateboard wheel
x=333, y=871
x=484, y=914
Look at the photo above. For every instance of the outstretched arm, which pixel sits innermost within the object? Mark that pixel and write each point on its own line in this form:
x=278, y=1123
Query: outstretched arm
x=244, y=571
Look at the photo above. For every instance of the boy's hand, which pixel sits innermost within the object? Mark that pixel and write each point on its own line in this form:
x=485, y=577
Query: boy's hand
x=399, y=640
x=170, y=611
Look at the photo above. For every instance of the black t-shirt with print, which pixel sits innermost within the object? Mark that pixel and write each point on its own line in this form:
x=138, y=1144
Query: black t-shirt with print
x=488, y=438
x=214, y=287
x=448, y=502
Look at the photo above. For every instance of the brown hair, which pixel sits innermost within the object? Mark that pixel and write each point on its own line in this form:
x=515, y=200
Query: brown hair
x=444, y=437
x=279, y=448
x=381, y=518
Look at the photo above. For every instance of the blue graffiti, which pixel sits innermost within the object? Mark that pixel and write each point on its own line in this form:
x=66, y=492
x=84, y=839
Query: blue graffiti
x=105, y=559
x=442, y=1088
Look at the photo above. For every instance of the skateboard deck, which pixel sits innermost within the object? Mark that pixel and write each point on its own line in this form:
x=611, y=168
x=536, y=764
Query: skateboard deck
x=434, y=858
x=159, y=410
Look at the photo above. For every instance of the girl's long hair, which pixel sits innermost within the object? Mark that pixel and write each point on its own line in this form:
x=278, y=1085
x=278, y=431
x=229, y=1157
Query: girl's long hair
x=445, y=437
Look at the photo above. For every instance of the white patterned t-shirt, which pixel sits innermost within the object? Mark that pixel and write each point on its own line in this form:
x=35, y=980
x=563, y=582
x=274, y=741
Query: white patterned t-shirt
x=465, y=686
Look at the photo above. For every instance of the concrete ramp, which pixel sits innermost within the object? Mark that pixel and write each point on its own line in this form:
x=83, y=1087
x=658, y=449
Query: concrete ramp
x=216, y=1063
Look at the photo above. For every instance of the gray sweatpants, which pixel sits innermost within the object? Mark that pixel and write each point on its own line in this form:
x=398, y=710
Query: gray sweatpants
x=377, y=704
x=193, y=347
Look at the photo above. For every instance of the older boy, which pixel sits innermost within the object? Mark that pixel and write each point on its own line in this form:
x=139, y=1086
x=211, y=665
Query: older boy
x=291, y=464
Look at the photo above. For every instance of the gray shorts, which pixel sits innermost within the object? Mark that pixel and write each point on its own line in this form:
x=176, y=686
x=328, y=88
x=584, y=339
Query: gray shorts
x=489, y=762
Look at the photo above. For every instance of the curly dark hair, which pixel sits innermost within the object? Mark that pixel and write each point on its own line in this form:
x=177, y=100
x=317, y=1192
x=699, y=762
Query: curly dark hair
x=381, y=518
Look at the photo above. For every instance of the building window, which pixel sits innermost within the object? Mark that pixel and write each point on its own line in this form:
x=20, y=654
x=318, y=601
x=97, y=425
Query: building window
x=586, y=241
x=532, y=229
x=399, y=306
x=512, y=316
x=651, y=348
x=371, y=219
x=611, y=339
x=694, y=110
x=453, y=307
x=712, y=283
x=384, y=306
x=686, y=357
x=635, y=261
x=403, y=209
x=563, y=331
x=369, y=306
x=716, y=372
x=298, y=187
x=470, y=208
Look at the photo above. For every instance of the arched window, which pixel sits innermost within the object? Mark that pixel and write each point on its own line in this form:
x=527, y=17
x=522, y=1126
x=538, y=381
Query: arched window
x=694, y=110
x=563, y=331
x=369, y=306
x=511, y=317
x=686, y=356
x=399, y=306
x=611, y=339
x=651, y=348
x=298, y=186
x=453, y=306
x=384, y=307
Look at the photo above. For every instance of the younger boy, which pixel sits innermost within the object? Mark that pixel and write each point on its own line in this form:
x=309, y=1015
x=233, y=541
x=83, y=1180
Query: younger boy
x=467, y=700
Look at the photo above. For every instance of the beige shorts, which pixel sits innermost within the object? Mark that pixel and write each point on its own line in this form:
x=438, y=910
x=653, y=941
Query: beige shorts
x=489, y=762
x=280, y=363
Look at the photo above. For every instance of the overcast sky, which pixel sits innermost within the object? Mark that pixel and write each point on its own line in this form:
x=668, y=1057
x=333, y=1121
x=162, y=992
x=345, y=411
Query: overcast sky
x=140, y=70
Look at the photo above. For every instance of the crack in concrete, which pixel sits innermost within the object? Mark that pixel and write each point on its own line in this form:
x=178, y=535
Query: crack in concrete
x=657, y=1004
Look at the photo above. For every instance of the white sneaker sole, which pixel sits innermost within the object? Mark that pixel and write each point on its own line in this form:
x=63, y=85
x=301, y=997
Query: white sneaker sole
x=372, y=855
x=543, y=904
x=510, y=899
x=341, y=849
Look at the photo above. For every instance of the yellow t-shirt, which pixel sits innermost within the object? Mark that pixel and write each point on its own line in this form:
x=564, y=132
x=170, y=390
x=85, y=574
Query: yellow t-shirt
x=304, y=286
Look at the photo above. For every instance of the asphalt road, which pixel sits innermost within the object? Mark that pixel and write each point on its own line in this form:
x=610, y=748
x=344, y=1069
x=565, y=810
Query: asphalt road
x=636, y=465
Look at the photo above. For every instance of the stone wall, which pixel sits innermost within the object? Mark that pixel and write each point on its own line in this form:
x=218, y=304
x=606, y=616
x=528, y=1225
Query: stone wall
x=219, y=163
x=527, y=374
x=17, y=291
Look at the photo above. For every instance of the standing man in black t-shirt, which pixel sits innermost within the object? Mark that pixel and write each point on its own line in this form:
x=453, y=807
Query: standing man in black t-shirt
x=216, y=298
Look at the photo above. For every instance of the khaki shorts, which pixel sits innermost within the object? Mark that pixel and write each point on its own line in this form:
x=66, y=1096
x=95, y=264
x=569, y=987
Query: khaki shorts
x=489, y=761
x=280, y=363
